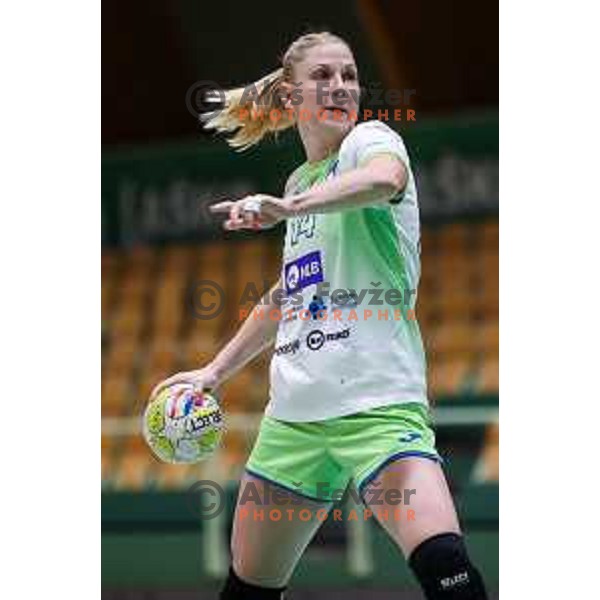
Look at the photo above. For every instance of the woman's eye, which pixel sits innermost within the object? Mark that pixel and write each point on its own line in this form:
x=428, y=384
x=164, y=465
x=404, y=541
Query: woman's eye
x=349, y=76
x=320, y=74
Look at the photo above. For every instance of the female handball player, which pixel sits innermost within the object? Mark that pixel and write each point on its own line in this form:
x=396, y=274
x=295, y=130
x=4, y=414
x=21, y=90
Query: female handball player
x=348, y=398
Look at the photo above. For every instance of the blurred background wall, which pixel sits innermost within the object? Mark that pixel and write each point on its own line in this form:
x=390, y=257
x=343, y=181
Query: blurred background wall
x=159, y=173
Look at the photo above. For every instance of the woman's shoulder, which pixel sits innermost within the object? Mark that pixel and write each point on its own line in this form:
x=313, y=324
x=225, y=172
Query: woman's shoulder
x=371, y=136
x=370, y=128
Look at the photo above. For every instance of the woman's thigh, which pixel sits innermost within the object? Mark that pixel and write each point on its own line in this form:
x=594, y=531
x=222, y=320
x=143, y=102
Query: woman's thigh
x=271, y=529
x=427, y=507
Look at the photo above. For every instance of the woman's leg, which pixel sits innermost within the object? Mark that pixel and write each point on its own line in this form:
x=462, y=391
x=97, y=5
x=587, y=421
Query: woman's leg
x=271, y=529
x=431, y=502
x=430, y=537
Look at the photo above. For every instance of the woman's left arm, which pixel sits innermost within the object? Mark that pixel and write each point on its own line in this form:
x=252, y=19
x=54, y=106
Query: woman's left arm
x=378, y=181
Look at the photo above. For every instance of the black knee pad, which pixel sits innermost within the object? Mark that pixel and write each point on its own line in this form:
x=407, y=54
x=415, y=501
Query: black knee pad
x=444, y=570
x=236, y=589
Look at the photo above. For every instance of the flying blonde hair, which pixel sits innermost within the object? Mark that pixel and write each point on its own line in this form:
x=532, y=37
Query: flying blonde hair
x=248, y=114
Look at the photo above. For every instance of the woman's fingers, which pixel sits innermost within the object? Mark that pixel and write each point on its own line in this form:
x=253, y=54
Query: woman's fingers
x=232, y=209
x=241, y=218
x=177, y=378
x=243, y=215
x=221, y=207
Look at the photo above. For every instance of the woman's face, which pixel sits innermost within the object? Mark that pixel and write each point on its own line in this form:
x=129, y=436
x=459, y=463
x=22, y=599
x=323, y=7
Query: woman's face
x=328, y=88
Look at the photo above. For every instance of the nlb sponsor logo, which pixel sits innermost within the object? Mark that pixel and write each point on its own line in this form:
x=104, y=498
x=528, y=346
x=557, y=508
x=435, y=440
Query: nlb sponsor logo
x=304, y=271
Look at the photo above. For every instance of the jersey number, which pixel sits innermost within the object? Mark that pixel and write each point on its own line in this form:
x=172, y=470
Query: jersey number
x=303, y=226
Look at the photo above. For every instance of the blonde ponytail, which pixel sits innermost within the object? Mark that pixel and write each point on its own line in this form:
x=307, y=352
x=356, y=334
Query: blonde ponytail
x=255, y=110
x=252, y=112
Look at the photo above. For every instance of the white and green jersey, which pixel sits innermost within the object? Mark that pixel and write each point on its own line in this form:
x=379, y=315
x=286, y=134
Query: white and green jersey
x=348, y=340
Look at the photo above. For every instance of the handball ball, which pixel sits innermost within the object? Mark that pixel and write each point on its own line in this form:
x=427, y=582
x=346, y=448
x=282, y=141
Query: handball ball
x=183, y=425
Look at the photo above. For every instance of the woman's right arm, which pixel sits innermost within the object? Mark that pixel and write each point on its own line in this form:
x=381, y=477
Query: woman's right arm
x=254, y=336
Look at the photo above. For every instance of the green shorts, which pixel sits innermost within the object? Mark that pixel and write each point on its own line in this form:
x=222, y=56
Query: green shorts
x=318, y=459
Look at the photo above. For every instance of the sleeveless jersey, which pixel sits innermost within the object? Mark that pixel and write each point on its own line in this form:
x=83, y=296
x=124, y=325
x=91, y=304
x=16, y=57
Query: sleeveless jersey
x=348, y=339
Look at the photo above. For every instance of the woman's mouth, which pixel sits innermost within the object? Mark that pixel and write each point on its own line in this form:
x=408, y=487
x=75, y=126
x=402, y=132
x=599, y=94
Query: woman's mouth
x=338, y=108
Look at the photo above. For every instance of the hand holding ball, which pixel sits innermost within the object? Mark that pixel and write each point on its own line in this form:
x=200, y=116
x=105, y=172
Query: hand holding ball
x=182, y=424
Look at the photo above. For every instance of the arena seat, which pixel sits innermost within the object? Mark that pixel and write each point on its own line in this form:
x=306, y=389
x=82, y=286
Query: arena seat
x=448, y=376
x=456, y=304
x=488, y=234
x=115, y=391
x=198, y=349
x=452, y=339
x=487, y=468
x=488, y=380
x=134, y=470
x=454, y=237
x=120, y=357
x=161, y=354
x=127, y=320
x=239, y=393
x=174, y=477
x=106, y=458
x=487, y=339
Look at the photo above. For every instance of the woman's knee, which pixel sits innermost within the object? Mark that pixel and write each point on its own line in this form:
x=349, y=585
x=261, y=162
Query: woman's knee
x=262, y=573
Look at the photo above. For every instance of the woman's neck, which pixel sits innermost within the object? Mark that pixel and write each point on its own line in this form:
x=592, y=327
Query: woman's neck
x=318, y=148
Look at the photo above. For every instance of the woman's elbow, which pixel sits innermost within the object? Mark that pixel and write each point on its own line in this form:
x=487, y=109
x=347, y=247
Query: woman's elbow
x=390, y=179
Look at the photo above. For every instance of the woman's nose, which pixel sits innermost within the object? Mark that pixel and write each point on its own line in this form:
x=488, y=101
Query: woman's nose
x=337, y=82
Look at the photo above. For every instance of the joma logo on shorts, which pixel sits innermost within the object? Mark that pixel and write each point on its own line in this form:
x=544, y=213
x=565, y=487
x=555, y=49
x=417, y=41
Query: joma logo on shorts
x=409, y=437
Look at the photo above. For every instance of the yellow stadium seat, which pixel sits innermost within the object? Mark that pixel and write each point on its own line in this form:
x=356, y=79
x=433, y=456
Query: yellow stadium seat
x=106, y=467
x=456, y=303
x=170, y=292
x=161, y=355
x=428, y=310
x=489, y=234
x=198, y=350
x=429, y=279
x=127, y=321
x=135, y=286
x=448, y=376
x=135, y=443
x=455, y=271
x=134, y=470
x=240, y=392
x=109, y=262
x=212, y=262
x=488, y=467
x=236, y=447
x=107, y=297
x=140, y=256
x=490, y=265
x=146, y=381
x=167, y=325
x=120, y=357
x=488, y=337
x=487, y=304
x=178, y=258
x=488, y=381
x=452, y=338
x=429, y=239
x=454, y=237
x=175, y=477
x=115, y=394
